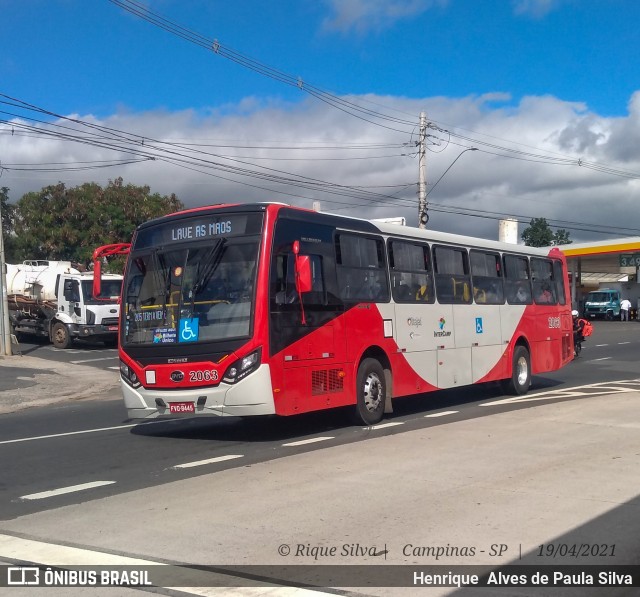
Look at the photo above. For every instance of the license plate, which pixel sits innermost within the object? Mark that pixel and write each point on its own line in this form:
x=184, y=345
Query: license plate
x=182, y=407
x=113, y=328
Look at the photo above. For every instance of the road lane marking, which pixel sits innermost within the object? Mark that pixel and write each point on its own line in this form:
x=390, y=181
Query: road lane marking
x=600, y=345
x=384, y=425
x=17, y=549
x=601, y=359
x=600, y=388
x=620, y=343
x=303, y=442
x=442, y=414
x=29, y=439
x=52, y=554
x=208, y=461
x=94, y=360
x=63, y=490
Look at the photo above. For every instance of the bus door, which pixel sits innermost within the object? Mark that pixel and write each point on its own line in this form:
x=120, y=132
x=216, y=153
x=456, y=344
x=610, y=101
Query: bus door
x=480, y=326
x=307, y=334
x=417, y=318
x=453, y=292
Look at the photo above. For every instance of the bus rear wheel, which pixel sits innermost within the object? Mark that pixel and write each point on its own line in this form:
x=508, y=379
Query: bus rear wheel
x=371, y=393
x=520, y=372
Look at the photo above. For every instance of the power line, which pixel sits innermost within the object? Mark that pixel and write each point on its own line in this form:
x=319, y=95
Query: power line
x=356, y=110
x=194, y=159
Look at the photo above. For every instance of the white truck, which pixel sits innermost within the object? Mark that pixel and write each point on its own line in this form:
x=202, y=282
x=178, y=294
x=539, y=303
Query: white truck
x=55, y=300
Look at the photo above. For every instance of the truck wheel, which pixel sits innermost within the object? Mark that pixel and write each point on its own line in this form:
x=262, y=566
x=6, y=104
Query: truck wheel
x=521, y=372
x=609, y=315
x=371, y=393
x=60, y=335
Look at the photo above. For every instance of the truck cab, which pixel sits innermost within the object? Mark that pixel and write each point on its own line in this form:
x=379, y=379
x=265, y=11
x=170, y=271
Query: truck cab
x=603, y=303
x=80, y=314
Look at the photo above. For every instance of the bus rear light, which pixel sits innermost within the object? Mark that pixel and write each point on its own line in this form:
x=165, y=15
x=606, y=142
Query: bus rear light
x=129, y=375
x=242, y=367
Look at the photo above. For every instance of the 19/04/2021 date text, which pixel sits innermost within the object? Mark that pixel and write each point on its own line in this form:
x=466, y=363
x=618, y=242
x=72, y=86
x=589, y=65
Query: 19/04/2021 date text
x=576, y=550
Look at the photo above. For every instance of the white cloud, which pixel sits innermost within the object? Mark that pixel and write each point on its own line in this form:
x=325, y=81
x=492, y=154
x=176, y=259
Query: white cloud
x=259, y=131
x=365, y=15
x=535, y=8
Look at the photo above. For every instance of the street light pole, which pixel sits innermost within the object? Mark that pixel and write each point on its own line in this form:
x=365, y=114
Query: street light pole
x=447, y=170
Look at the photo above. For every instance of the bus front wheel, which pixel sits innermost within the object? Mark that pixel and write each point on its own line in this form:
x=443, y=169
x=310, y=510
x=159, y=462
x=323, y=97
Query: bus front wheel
x=520, y=372
x=371, y=393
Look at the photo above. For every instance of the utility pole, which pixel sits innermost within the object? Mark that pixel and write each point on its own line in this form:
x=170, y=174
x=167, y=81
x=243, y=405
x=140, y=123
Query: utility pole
x=4, y=303
x=423, y=217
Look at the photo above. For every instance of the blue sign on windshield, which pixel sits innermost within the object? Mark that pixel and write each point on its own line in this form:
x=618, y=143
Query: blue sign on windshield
x=189, y=330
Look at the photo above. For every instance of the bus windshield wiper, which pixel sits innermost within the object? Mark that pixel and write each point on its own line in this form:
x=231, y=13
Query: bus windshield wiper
x=163, y=271
x=211, y=260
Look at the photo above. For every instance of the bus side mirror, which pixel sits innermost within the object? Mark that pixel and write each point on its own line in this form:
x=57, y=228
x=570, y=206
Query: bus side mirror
x=303, y=270
x=303, y=274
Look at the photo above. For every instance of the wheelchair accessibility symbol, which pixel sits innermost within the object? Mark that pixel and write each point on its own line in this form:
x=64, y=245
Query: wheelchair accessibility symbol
x=189, y=330
x=478, y=325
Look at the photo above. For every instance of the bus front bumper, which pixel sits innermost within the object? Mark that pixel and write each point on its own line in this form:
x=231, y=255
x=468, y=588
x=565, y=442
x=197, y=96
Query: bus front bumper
x=249, y=397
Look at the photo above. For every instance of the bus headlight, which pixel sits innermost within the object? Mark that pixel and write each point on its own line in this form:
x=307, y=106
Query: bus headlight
x=242, y=367
x=128, y=374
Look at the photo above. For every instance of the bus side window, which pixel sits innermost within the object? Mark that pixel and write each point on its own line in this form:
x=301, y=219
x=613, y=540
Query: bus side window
x=361, y=268
x=486, y=273
x=544, y=290
x=453, y=283
x=410, y=265
x=284, y=285
x=517, y=280
x=559, y=277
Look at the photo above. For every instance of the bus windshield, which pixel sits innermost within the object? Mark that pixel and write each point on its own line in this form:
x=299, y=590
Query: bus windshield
x=192, y=294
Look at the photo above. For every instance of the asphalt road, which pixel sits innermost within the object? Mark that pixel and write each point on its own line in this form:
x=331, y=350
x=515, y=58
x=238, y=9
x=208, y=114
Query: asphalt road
x=464, y=469
x=82, y=352
x=72, y=452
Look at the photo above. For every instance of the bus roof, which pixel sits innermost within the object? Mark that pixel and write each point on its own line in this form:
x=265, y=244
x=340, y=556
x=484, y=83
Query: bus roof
x=347, y=222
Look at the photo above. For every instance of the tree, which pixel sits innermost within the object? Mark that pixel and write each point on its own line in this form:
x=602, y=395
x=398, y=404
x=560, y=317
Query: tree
x=8, y=218
x=68, y=224
x=539, y=234
x=561, y=237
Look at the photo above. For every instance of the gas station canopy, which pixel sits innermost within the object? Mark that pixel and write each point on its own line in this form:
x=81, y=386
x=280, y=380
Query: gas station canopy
x=615, y=256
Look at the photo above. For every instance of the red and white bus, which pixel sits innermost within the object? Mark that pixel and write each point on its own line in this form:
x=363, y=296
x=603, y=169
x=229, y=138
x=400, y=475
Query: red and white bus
x=270, y=309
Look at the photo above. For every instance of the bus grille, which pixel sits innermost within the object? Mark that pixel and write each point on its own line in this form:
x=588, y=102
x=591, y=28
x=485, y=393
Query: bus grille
x=327, y=381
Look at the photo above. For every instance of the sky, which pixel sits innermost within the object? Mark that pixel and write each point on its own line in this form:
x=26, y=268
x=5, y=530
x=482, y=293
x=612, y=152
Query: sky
x=319, y=100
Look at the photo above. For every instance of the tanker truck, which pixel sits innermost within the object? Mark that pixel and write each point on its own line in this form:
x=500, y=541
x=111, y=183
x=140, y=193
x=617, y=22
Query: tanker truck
x=55, y=300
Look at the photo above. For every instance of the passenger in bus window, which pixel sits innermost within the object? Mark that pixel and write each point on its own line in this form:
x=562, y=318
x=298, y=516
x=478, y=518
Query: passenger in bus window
x=494, y=296
x=479, y=295
x=545, y=295
x=521, y=294
x=422, y=294
x=403, y=292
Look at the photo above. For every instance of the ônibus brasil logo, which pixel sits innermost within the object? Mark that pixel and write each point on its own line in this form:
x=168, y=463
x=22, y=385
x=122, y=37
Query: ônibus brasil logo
x=442, y=333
